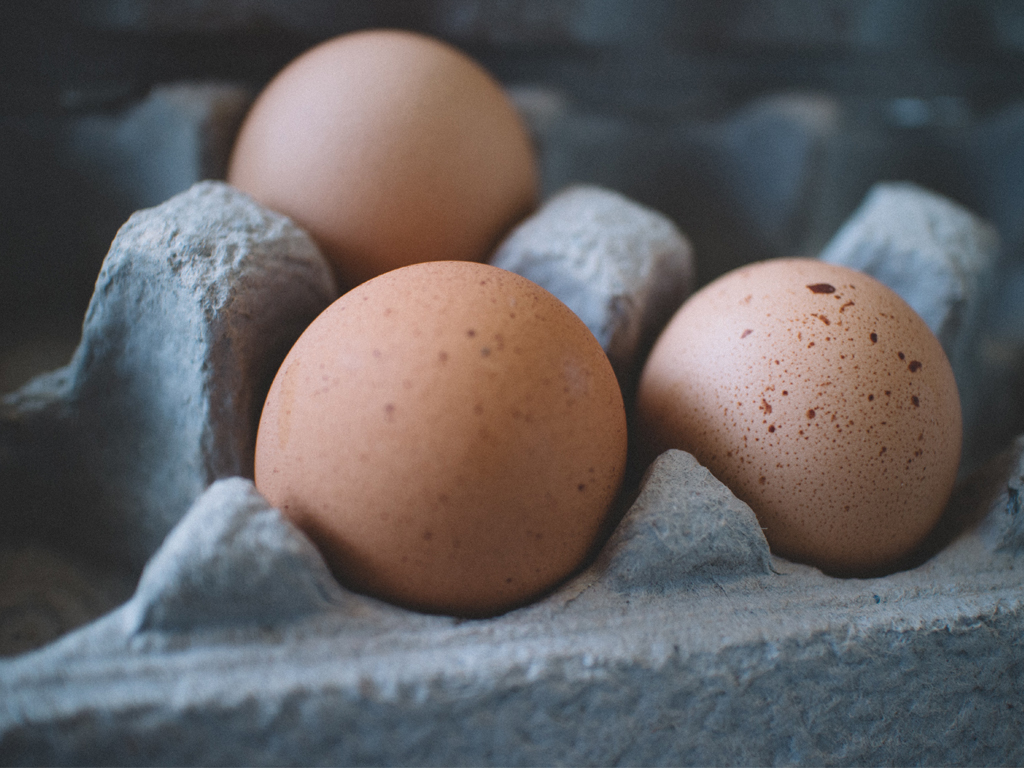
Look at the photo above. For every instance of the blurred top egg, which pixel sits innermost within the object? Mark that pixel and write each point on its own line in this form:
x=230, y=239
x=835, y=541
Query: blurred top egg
x=390, y=148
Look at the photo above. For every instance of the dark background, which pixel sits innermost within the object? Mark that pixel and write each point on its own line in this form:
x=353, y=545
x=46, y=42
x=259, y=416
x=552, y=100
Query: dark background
x=756, y=125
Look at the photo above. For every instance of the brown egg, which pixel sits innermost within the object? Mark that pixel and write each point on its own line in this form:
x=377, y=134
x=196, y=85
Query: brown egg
x=450, y=434
x=821, y=399
x=390, y=148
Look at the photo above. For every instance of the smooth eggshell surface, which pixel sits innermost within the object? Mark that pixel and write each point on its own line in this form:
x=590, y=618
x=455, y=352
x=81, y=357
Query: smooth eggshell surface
x=450, y=434
x=390, y=148
x=821, y=399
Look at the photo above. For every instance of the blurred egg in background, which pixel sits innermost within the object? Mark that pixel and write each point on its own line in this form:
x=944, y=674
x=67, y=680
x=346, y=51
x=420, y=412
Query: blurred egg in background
x=390, y=148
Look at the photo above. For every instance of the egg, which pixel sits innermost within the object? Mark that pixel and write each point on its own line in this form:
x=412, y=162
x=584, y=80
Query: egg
x=449, y=434
x=390, y=148
x=820, y=398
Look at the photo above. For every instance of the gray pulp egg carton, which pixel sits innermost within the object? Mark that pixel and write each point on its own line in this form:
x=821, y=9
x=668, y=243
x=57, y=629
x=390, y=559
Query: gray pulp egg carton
x=156, y=610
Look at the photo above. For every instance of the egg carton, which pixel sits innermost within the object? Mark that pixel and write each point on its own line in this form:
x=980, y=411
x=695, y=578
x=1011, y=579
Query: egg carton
x=157, y=610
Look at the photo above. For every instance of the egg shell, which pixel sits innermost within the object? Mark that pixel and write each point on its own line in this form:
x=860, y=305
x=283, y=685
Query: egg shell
x=451, y=436
x=390, y=148
x=819, y=397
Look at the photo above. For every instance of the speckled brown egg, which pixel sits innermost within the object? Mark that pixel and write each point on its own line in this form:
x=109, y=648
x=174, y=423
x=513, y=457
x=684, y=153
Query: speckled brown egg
x=391, y=148
x=450, y=434
x=821, y=399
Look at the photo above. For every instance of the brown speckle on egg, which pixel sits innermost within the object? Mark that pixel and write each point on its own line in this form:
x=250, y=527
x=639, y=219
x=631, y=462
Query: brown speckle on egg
x=864, y=477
